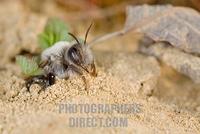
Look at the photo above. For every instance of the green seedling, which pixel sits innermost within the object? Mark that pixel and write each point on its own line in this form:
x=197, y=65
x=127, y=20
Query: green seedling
x=29, y=67
x=54, y=31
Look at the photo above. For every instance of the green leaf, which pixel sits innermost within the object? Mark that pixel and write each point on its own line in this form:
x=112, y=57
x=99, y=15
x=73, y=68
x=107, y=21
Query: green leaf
x=54, y=31
x=43, y=41
x=29, y=67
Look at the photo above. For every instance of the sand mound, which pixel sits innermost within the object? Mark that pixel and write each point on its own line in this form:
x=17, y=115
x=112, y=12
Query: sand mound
x=35, y=112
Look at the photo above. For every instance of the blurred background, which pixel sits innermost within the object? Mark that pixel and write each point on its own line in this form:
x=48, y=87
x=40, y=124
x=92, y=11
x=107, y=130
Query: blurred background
x=108, y=15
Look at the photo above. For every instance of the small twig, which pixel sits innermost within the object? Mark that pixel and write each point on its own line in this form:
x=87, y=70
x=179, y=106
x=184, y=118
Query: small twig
x=106, y=37
x=110, y=35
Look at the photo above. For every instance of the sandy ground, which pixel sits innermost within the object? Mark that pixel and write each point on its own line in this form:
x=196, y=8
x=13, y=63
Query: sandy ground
x=169, y=102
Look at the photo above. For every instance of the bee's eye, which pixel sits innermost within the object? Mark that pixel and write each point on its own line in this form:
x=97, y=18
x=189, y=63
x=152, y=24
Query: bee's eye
x=74, y=55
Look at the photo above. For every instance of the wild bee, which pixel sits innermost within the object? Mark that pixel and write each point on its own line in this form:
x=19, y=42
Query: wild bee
x=64, y=60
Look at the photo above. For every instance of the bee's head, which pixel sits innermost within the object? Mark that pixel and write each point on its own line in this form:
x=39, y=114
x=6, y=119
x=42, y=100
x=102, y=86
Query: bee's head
x=81, y=55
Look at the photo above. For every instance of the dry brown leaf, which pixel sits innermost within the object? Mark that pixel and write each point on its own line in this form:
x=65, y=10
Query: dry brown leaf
x=177, y=25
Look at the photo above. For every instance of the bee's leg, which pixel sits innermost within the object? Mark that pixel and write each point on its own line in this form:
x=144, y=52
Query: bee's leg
x=66, y=78
x=28, y=84
x=50, y=79
x=38, y=79
x=93, y=70
x=85, y=82
x=79, y=72
x=42, y=80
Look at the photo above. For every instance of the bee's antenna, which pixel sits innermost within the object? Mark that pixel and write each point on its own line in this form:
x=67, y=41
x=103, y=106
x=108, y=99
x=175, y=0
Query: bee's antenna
x=86, y=34
x=74, y=37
